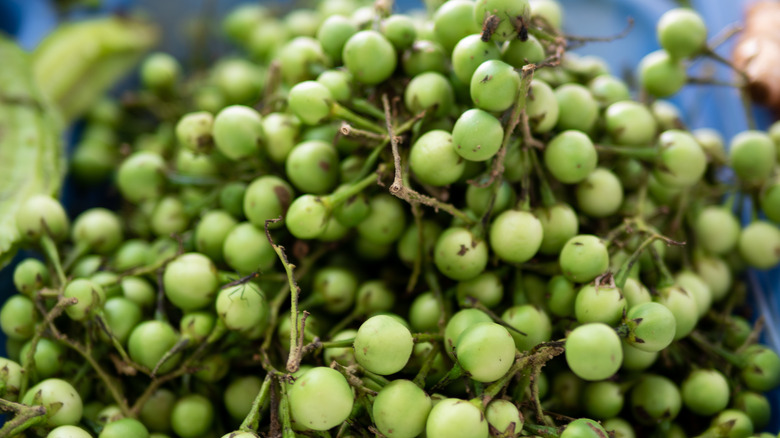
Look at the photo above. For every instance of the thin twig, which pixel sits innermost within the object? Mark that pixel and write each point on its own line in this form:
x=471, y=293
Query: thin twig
x=558, y=46
x=282, y=294
x=186, y=367
x=284, y=411
x=754, y=334
x=316, y=344
x=101, y=322
x=427, y=337
x=294, y=359
x=744, y=93
x=50, y=249
x=518, y=109
x=275, y=429
x=177, y=348
x=83, y=351
x=724, y=35
x=427, y=364
x=623, y=272
x=252, y=420
x=48, y=320
x=473, y=303
x=693, y=80
x=538, y=356
x=581, y=40
x=350, y=131
x=535, y=372
x=400, y=190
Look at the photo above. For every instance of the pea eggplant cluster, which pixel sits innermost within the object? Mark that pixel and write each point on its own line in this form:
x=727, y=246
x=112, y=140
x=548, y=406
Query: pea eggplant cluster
x=368, y=223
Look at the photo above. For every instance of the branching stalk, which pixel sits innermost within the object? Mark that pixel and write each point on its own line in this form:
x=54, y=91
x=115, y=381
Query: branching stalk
x=294, y=360
x=400, y=190
x=252, y=420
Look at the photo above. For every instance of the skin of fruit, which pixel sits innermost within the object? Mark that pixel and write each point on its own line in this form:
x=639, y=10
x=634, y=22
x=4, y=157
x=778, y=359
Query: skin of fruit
x=383, y=345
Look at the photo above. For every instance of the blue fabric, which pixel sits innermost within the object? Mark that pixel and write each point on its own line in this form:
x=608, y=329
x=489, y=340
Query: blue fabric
x=27, y=20
x=704, y=106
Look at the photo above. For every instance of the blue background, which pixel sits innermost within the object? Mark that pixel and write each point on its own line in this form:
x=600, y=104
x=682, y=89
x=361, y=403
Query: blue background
x=703, y=106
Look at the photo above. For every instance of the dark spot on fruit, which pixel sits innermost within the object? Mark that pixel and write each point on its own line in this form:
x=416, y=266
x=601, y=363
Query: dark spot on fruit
x=597, y=431
x=463, y=250
x=284, y=197
x=324, y=165
x=578, y=243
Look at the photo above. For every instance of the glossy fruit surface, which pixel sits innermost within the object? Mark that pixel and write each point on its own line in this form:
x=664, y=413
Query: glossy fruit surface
x=320, y=399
